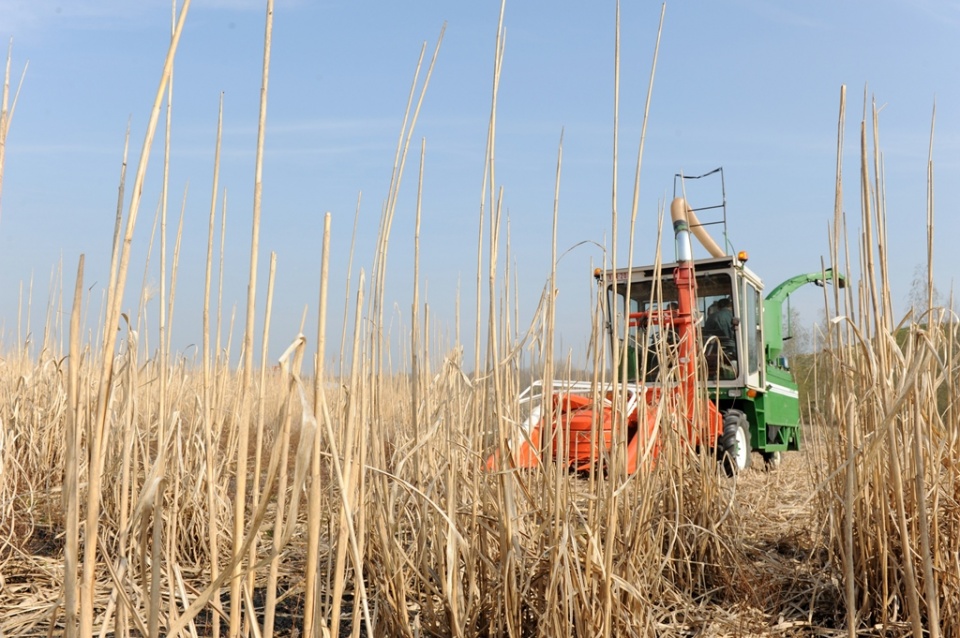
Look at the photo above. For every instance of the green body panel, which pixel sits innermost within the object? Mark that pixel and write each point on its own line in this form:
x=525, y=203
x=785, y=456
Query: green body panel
x=773, y=306
x=777, y=433
x=774, y=418
x=781, y=404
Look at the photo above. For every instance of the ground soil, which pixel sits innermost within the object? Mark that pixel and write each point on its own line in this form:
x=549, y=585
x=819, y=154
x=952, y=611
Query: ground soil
x=787, y=586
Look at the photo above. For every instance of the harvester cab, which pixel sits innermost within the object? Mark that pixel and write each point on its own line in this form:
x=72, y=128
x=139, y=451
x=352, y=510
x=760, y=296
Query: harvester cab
x=713, y=350
x=726, y=309
x=694, y=338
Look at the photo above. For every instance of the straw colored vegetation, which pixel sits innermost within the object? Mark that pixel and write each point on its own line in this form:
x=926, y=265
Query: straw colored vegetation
x=147, y=496
x=678, y=550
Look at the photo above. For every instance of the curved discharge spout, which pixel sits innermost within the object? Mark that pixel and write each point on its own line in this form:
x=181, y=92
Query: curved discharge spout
x=681, y=213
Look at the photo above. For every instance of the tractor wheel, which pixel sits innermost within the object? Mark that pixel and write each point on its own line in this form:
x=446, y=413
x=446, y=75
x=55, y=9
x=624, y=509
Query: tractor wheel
x=771, y=461
x=734, y=449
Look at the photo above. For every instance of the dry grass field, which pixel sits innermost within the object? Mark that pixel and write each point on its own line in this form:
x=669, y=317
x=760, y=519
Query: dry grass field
x=677, y=551
x=152, y=495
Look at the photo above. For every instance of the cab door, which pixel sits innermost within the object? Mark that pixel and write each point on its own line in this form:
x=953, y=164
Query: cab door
x=751, y=333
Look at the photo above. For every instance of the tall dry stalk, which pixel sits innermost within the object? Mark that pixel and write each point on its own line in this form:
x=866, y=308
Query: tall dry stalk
x=888, y=387
x=619, y=422
x=261, y=413
x=98, y=433
x=163, y=354
x=213, y=527
x=6, y=111
x=239, y=513
x=315, y=502
x=71, y=470
x=346, y=473
x=410, y=117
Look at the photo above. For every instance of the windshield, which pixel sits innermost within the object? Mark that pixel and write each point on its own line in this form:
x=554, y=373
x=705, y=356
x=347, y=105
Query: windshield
x=651, y=345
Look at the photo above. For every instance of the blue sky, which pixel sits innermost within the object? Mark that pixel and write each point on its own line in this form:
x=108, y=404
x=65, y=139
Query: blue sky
x=751, y=86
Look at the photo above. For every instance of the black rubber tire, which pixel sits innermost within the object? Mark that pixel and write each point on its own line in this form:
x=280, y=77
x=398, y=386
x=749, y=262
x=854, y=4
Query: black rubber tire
x=772, y=460
x=734, y=451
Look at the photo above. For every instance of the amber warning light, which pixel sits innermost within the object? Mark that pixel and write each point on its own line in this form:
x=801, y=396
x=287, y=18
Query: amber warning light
x=743, y=256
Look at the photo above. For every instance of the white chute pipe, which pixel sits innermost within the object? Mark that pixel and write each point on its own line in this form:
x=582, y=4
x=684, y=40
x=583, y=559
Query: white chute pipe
x=681, y=230
x=679, y=210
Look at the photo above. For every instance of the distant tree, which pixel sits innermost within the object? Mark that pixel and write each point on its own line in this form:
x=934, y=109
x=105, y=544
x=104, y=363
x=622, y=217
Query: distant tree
x=919, y=296
x=796, y=334
x=798, y=348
